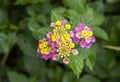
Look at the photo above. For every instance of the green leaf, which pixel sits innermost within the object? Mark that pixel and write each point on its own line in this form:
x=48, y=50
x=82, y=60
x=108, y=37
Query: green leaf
x=41, y=32
x=98, y=19
x=74, y=17
x=84, y=52
x=113, y=1
x=77, y=5
x=114, y=36
x=55, y=16
x=76, y=64
x=100, y=33
x=115, y=72
x=50, y=73
x=69, y=77
x=88, y=17
x=14, y=76
x=7, y=41
x=37, y=31
x=59, y=10
x=35, y=65
x=89, y=78
x=97, y=6
x=59, y=72
x=91, y=59
x=24, y=2
x=27, y=45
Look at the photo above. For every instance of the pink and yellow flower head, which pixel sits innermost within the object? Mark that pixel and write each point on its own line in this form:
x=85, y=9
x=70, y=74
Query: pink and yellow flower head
x=45, y=49
x=84, y=35
x=61, y=32
x=61, y=43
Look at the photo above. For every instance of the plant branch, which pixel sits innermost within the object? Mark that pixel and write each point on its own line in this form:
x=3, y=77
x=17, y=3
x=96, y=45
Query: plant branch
x=111, y=47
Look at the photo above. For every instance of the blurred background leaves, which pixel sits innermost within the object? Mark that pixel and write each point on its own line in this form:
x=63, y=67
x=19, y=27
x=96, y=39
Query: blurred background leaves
x=22, y=22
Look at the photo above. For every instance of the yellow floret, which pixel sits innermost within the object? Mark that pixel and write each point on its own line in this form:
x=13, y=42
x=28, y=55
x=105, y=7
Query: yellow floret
x=41, y=46
x=63, y=40
x=67, y=36
x=58, y=23
x=90, y=33
x=84, y=33
x=46, y=51
x=67, y=26
x=71, y=45
x=45, y=44
x=54, y=37
x=42, y=51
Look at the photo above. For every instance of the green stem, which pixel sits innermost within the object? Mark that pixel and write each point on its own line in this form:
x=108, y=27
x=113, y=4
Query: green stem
x=111, y=47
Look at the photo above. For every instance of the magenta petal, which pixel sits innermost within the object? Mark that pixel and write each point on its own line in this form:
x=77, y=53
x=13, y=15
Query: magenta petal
x=47, y=57
x=54, y=44
x=64, y=22
x=76, y=40
x=78, y=29
x=83, y=44
x=88, y=45
x=93, y=39
x=90, y=29
x=50, y=41
x=81, y=25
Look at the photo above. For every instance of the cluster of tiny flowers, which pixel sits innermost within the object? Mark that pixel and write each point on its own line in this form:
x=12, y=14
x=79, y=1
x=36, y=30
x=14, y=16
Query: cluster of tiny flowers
x=61, y=42
x=83, y=35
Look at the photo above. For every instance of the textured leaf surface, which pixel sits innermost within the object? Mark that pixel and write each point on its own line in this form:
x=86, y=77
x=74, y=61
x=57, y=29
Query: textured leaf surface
x=14, y=76
x=55, y=16
x=98, y=32
x=91, y=59
x=76, y=64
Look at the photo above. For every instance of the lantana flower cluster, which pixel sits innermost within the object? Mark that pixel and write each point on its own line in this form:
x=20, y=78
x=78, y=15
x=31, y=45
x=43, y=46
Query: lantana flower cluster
x=62, y=42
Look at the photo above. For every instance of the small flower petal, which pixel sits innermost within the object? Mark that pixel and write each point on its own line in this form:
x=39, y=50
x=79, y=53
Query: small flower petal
x=87, y=39
x=55, y=57
x=49, y=35
x=71, y=45
x=88, y=45
x=64, y=22
x=81, y=25
x=66, y=60
x=79, y=35
x=59, y=41
x=76, y=40
x=67, y=26
x=54, y=37
x=83, y=44
x=90, y=33
x=52, y=24
x=71, y=34
x=93, y=39
x=58, y=23
x=75, y=52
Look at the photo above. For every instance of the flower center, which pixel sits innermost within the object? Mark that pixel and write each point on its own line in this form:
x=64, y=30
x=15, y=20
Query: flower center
x=59, y=31
x=64, y=50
